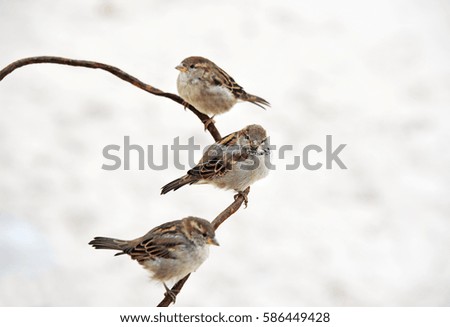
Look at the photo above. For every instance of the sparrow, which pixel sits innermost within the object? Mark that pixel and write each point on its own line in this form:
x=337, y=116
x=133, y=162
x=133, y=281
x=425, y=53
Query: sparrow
x=209, y=88
x=235, y=162
x=169, y=251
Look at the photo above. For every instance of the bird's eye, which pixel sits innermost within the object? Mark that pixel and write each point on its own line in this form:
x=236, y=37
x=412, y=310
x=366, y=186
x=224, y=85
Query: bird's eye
x=204, y=234
x=247, y=137
x=192, y=66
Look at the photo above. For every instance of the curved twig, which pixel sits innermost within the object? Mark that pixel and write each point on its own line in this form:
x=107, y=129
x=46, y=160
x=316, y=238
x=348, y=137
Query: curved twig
x=175, y=290
x=117, y=72
x=224, y=215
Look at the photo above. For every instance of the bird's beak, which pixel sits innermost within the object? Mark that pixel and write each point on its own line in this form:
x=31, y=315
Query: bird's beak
x=212, y=241
x=181, y=68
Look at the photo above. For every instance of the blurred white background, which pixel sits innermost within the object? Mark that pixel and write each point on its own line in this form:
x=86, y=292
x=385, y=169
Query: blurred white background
x=375, y=75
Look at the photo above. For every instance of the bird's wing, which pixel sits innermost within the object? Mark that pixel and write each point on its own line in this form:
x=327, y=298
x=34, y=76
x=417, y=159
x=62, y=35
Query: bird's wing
x=221, y=78
x=160, y=242
x=219, y=158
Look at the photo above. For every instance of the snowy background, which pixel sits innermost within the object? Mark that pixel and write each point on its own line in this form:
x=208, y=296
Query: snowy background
x=375, y=75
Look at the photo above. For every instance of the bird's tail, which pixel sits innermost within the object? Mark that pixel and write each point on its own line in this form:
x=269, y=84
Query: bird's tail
x=260, y=102
x=176, y=184
x=110, y=244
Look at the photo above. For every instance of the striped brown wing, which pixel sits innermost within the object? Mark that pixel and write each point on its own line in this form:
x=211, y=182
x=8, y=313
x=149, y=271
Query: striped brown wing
x=221, y=78
x=160, y=242
x=219, y=158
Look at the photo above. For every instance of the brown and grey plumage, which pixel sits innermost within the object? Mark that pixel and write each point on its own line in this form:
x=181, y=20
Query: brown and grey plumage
x=209, y=88
x=169, y=251
x=235, y=162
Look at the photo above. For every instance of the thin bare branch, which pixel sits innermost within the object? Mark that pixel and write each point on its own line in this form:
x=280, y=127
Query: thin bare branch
x=117, y=72
x=231, y=209
x=175, y=290
x=224, y=215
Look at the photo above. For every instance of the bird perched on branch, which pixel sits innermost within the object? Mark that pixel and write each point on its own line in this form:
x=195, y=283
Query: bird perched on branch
x=169, y=251
x=209, y=88
x=235, y=162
